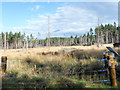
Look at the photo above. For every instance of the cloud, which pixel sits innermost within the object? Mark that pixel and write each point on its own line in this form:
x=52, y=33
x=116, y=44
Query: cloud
x=73, y=19
x=42, y=16
x=60, y=0
x=32, y=9
x=56, y=30
x=37, y=7
x=69, y=20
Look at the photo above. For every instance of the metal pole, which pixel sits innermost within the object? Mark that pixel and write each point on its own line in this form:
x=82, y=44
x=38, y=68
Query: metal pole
x=112, y=70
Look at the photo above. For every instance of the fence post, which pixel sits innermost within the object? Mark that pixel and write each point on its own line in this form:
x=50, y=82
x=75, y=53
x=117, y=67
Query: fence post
x=106, y=63
x=112, y=71
x=35, y=68
x=3, y=65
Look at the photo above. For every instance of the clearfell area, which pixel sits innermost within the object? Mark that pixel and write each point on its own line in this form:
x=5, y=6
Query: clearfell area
x=56, y=67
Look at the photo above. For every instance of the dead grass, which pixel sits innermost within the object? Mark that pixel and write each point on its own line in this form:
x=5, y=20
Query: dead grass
x=54, y=66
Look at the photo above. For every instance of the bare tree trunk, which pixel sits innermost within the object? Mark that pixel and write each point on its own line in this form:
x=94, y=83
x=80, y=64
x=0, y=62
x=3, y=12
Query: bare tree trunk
x=106, y=37
x=112, y=37
x=98, y=34
x=80, y=40
x=98, y=38
x=36, y=43
x=30, y=43
x=84, y=40
x=88, y=41
x=48, y=42
x=117, y=38
x=91, y=40
x=76, y=41
x=7, y=44
x=64, y=42
x=59, y=43
x=109, y=37
x=112, y=40
x=102, y=38
x=1, y=43
x=5, y=41
x=72, y=41
x=20, y=44
x=26, y=44
x=16, y=45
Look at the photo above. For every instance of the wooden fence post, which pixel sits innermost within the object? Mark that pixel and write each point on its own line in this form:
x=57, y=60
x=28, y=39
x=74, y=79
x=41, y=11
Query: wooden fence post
x=106, y=63
x=111, y=64
x=35, y=68
x=3, y=65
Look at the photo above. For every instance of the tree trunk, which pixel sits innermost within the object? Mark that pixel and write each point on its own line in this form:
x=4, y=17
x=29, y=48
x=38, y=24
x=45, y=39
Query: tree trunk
x=1, y=43
x=102, y=37
x=98, y=38
x=117, y=38
x=106, y=37
x=24, y=44
x=80, y=40
x=7, y=44
x=5, y=41
x=27, y=44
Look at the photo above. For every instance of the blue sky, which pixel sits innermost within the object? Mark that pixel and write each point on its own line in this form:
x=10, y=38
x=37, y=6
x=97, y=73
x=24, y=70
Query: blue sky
x=66, y=19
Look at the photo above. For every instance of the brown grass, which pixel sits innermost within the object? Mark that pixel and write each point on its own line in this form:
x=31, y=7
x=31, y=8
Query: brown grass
x=54, y=66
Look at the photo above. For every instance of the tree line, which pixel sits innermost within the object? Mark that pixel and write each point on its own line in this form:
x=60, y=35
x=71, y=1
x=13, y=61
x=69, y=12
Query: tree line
x=103, y=34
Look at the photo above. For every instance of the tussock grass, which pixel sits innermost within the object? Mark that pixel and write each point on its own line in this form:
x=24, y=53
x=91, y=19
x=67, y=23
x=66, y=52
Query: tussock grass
x=54, y=69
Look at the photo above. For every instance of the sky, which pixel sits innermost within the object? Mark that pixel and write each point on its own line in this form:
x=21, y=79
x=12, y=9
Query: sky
x=66, y=18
